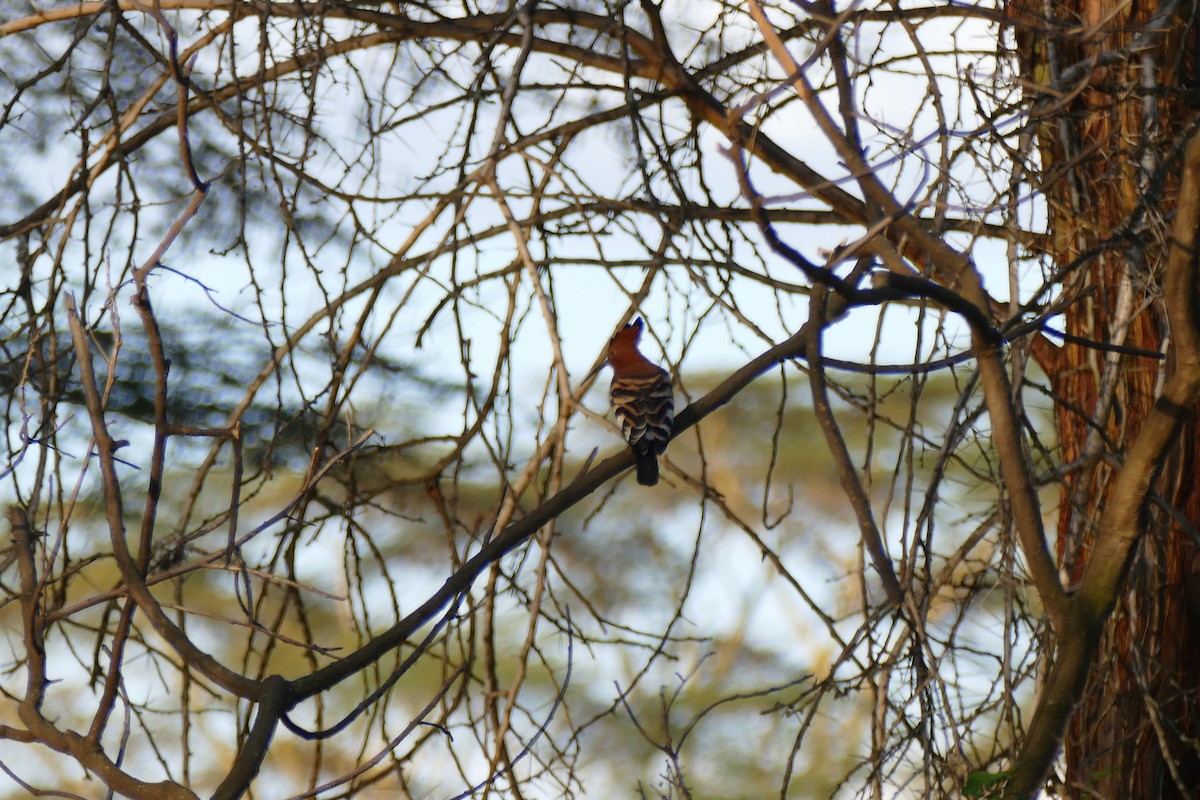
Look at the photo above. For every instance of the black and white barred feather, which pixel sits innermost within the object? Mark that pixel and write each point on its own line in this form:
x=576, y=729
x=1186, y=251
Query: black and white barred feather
x=645, y=408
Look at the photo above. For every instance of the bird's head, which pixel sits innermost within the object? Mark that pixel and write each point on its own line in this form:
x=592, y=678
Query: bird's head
x=623, y=354
x=626, y=339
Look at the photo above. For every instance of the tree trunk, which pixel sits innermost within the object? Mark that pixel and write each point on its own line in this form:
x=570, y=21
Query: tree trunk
x=1109, y=140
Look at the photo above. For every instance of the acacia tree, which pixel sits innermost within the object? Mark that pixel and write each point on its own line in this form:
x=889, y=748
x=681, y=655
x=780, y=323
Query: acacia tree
x=306, y=304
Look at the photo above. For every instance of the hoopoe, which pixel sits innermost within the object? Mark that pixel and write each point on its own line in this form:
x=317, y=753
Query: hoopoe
x=642, y=400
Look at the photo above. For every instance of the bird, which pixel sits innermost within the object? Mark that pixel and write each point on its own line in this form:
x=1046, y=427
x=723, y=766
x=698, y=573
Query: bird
x=642, y=400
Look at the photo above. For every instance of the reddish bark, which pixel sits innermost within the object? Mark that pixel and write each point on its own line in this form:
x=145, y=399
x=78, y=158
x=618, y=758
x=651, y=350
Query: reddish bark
x=1144, y=693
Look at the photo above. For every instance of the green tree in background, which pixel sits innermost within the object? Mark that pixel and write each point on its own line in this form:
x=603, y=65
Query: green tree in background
x=310, y=493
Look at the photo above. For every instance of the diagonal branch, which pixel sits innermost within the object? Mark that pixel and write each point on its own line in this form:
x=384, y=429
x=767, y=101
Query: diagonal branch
x=517, y=532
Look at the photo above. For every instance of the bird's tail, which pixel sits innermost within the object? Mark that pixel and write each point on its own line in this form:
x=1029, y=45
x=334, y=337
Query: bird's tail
x=647, y=466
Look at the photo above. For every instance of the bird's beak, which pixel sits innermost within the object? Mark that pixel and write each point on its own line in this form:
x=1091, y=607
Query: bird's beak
x=594, y=372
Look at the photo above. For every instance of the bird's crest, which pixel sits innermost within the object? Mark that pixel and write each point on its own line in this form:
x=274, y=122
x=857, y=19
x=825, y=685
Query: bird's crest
x=623, y=354
x=627, y=337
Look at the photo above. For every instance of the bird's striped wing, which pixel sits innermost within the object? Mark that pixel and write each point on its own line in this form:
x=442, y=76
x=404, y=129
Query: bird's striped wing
x=645, y=408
